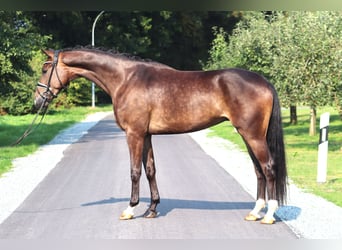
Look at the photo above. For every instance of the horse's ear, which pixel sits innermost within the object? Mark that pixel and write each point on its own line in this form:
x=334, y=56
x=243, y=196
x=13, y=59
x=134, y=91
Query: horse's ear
x=49, y=52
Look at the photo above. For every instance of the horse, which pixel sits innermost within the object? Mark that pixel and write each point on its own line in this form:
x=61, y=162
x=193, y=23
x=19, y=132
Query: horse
x=152, y=98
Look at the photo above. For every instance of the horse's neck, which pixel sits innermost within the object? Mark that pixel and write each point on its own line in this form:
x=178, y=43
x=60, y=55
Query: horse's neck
x=102, y=69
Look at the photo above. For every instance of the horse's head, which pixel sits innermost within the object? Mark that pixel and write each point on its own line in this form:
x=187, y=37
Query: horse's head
x=54, y=78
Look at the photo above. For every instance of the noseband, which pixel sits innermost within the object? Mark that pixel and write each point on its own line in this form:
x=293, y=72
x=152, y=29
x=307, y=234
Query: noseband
x=47, y=87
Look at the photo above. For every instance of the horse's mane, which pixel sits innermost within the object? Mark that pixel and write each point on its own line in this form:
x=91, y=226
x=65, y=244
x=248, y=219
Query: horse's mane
x=113, y=53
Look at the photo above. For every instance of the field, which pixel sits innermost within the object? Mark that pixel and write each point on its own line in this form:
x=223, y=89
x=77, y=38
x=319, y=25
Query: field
x=12, y=127
x=302, y=152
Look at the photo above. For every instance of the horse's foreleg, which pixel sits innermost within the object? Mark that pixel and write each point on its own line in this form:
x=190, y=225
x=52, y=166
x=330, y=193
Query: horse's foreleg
x=149, y=165
x=135, y=145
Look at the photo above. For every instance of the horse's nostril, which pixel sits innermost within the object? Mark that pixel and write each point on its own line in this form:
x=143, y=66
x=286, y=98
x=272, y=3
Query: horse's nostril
x=38, y=102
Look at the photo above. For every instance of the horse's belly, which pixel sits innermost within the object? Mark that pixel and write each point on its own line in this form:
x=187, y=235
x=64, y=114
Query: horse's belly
x=189, y=124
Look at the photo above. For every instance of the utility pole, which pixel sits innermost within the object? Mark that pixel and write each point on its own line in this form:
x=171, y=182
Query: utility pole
x=93, y=44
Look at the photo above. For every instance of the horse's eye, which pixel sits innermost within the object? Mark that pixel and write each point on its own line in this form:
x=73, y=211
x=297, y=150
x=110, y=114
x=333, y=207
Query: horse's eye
x=45, y=67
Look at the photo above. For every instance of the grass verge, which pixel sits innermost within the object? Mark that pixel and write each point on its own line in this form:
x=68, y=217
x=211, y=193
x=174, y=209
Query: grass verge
x=12, y=127
x=302, y=152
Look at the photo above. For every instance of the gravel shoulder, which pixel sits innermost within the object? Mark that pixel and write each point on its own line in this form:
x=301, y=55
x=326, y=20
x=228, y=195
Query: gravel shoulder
x=29, y=171
x=307, y=215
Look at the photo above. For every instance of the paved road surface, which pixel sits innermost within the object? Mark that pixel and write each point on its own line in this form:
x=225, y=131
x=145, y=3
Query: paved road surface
x=84, y=195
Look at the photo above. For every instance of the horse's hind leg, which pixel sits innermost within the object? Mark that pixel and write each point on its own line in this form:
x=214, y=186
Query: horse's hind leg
x=149, y=165
x=261, y=189
x=260, y=154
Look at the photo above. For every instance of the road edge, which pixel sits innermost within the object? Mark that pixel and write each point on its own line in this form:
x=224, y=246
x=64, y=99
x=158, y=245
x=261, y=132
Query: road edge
x=27, y=172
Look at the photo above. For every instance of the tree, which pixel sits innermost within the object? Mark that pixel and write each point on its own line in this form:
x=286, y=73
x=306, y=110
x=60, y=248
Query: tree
x=19, y=41
x=315, y=52
x=180, y=38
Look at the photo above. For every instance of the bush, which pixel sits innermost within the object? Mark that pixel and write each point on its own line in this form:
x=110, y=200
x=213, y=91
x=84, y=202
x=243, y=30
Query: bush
x=19, y=101
x=79, y=92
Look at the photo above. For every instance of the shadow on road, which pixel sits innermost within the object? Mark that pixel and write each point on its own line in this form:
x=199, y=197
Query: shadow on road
x=167, y=205
x=284, y=213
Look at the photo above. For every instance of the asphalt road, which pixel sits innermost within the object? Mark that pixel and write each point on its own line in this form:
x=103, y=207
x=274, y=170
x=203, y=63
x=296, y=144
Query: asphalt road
x=84, y=195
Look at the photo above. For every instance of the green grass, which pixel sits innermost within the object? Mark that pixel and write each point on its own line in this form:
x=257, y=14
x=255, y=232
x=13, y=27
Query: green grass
x=301, y=152
x=12, y=127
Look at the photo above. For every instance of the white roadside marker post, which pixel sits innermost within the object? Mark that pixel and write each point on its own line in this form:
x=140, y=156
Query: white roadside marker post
x=323, y=148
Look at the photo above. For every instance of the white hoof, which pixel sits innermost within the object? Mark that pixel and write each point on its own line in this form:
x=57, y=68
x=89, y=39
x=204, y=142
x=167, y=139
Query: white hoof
x=127, y=214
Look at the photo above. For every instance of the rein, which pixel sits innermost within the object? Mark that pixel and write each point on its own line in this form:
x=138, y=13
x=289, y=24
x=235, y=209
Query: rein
x=42, y=109
x=31, y=128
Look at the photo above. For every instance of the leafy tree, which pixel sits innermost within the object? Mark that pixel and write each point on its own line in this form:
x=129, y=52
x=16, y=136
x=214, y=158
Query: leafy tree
x=180, y=39
x=19, y=41
x=313, y=44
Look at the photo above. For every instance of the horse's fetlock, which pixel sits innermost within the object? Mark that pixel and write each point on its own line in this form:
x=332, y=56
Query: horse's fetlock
x=150, y=172
x=135, y=176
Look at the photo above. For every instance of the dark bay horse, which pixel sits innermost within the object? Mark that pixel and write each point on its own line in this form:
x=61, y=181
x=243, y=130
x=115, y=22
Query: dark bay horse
x=151, y=98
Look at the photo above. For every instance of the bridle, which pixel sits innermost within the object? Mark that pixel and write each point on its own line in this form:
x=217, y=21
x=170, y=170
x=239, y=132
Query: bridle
x=43, y=107
x=47, y=87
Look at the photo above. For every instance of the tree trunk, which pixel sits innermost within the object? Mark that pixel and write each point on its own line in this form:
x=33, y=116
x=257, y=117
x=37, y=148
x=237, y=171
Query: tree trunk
x=338, y=105
x=293, y=115
x=313, y=114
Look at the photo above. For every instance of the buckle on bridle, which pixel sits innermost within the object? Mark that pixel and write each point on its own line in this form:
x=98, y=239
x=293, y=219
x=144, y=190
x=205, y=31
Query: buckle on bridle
x=47, y=91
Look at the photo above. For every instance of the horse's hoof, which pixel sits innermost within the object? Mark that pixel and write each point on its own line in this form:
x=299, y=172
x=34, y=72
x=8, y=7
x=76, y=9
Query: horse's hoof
x=126, y=216
x=267, y=221
x=252, y=217
x=150, y=214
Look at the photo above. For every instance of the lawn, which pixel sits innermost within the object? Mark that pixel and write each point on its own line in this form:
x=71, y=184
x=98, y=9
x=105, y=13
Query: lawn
x=12, y=127
x=301, y=152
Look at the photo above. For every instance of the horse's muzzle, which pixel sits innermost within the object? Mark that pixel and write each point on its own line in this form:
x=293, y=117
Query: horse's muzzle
x=40, y=102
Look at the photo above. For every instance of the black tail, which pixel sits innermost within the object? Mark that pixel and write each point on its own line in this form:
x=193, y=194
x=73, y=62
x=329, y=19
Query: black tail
x=275, y=141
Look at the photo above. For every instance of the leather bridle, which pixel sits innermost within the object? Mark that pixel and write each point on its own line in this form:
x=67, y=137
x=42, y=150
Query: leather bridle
x=48, y=90
x=43, y=107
